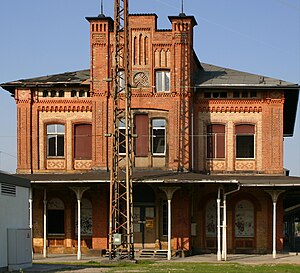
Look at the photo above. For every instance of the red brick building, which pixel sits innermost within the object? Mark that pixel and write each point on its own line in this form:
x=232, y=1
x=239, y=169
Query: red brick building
x=212, y=135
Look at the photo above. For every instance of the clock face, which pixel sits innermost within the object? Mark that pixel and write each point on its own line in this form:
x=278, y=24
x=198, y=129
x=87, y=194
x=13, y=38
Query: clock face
x=140, y=79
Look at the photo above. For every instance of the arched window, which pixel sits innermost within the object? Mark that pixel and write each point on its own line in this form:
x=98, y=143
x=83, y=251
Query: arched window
x=55, y=217
x=86, y=217
x=211, y=219
x=244, y=219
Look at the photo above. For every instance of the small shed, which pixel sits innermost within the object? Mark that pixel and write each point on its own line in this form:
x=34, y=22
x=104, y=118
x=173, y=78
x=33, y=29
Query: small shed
x=15, y=234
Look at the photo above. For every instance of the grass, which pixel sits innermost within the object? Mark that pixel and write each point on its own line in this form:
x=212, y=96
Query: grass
x=176, y=267
x=189, y=267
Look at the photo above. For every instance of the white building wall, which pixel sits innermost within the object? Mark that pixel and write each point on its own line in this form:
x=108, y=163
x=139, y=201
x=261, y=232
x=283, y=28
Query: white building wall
x=14, y=214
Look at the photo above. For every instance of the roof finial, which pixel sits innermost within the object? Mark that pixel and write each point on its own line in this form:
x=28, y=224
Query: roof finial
x=182, y=14
x=101, y=10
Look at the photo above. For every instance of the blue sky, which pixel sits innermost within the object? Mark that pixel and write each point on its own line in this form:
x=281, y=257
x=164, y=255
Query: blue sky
x=52, y=36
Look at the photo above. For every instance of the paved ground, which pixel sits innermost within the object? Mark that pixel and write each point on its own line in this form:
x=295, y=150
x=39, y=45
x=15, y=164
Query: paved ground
x=58, y=263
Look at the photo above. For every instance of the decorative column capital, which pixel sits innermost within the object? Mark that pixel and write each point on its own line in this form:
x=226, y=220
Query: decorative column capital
x=274, y=194
x=169, y=191
x=79, y=191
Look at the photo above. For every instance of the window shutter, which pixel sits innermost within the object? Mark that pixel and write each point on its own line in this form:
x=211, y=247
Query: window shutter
x=142, y=131
x=83, y=141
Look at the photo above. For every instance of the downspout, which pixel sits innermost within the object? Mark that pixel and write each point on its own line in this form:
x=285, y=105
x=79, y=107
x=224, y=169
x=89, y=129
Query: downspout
x=224, y=250
x=30, y=218
x=45, y=225
x=219, y=224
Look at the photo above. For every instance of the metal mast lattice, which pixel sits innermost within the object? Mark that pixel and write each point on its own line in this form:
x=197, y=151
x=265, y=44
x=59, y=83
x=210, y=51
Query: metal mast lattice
x=121, y=207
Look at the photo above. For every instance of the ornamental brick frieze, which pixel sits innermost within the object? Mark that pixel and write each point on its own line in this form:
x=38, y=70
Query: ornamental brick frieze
x=99, y=37
x=228, y=109
x=99, y=94
x=23, y=101
x=141, y=29
x=83, y=164
x=245, y=165
x=97, y=44
x=137, y=94
x=165, y=46
x=56, y=164
x=274, y=101
x=69, y=108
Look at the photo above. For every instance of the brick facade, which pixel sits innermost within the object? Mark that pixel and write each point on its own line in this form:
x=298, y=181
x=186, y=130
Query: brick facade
x=187, y=107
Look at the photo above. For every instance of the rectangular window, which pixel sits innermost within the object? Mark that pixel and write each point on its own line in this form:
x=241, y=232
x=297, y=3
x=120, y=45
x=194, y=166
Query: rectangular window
x=122, y=140
x=55, y=140
x=158, y=136
x=245, y=141
x=83, y=141
x=162, y=81
x=121, y=81
x=215, y=141
x=142, y=132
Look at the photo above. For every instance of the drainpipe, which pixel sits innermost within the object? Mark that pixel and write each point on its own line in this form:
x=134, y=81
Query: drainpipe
x=219, y=224
x=224, y=250
x=45, y=225
x=30, y=218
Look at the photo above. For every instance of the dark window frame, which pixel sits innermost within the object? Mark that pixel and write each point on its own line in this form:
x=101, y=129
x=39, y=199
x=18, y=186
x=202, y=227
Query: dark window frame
x=158, y=136
x=245, y=141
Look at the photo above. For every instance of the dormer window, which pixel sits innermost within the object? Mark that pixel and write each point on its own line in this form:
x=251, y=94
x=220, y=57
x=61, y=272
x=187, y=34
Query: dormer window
x=73, y=93
x=45, y=93
x=81, y=93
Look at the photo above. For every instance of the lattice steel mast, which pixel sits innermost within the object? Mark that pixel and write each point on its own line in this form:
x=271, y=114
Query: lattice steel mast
x=121, y=207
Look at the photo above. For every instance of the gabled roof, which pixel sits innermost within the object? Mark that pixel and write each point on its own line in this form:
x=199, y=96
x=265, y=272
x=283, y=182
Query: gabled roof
x=216, y=76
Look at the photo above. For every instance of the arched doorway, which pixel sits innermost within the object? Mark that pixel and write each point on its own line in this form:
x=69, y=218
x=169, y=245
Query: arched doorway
x=144, y=216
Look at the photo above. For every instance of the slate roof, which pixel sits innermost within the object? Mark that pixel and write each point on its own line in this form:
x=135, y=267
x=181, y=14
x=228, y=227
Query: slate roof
x=208, y=76
x=216, y=76
x=68, y=78
x=167, y=177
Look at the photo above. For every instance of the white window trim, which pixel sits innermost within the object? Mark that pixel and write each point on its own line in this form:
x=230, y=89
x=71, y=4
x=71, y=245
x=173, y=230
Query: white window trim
x=165, y=137
x=163, y=84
